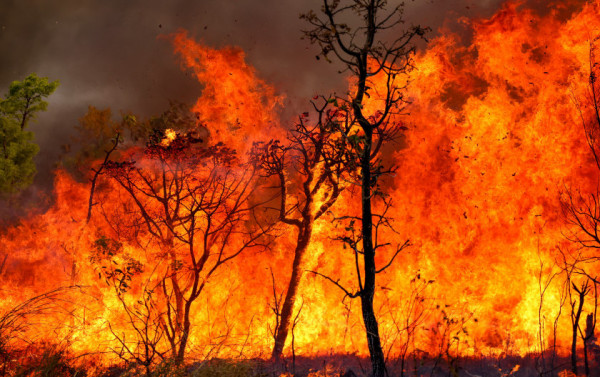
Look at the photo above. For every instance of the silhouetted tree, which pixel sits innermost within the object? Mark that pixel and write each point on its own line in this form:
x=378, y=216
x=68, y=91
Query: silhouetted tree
x=366, y=54
x=190, y=202
x=582, y=214
x=545, y=277
x=309, y=168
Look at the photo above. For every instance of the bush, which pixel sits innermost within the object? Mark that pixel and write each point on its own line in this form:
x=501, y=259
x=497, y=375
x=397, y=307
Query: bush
x=53, y=361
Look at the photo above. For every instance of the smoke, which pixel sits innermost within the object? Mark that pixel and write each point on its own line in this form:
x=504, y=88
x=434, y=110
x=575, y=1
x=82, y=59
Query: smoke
x=107, y=53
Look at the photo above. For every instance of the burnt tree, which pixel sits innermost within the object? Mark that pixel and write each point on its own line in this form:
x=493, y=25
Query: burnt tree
x=308, y=168
x=190, y=204
x=582, y=214
x=366, y=54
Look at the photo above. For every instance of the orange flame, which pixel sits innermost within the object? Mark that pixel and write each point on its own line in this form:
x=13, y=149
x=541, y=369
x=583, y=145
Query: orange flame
x=236, y=106
x=493, y=138
x=170, y=135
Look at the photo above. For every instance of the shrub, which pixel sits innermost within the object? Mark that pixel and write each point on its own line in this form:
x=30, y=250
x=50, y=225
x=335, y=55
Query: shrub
x=53, y=361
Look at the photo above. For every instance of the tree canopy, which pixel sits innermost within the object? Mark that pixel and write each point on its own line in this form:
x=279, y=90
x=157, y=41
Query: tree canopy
x=23, y=100
x=16, y=158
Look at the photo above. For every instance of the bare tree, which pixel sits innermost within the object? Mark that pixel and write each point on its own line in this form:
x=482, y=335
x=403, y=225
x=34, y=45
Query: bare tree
x=582, y=214
x=576, y=303
x=587, y=334
x=578, y=285
x=97, y=172
x=365, y=54
x=546, y=276
x=309, y=169
x=191, y=202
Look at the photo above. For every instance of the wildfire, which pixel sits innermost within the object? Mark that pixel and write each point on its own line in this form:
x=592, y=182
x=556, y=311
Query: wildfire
x=170, y=135
x=493, y=138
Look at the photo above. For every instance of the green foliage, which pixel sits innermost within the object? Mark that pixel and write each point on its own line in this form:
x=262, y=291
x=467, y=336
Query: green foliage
x=23, y=100
x=17, y=168
x=105, y=247
x=113, y=264
x=95, y=135
x=97, y=129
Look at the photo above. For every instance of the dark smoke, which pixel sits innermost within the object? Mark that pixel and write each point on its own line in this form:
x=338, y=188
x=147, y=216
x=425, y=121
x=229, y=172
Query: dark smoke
x=107, y=53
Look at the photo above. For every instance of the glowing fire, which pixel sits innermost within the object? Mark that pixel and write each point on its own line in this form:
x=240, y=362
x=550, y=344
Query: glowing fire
x=170, y=135
x=492, y=139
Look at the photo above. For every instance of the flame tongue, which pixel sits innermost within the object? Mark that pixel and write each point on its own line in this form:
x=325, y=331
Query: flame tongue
x=237, y=106
x=495, y=140
x=170, y=135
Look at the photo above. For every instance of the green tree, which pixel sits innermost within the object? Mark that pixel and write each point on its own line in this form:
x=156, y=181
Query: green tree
x=16, y=158
x=23, y=100
x=97, y=129
x=95, y=136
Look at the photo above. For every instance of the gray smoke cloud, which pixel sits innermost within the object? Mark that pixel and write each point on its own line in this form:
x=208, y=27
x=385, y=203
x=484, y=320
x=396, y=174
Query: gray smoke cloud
x=108, y=53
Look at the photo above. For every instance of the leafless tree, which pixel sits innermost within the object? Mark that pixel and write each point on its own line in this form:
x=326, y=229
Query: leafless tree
x=546, y=276
x=366, y=54
x=308, y=168
x=576, y=302
x=582, y=214
x=579, y=285
x=587, y=334
x=97, y=172
x=191, y=203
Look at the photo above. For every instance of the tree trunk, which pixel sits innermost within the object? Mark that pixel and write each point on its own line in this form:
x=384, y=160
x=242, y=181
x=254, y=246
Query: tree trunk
x=175, y=319
x=574, y=343
x=585, y=359
x=182, y=318
x=25, y=113
x=373, y=340
x=574, y=351
x=183, y=341
x=290, y=298
x=590, y=325
x=368, y=291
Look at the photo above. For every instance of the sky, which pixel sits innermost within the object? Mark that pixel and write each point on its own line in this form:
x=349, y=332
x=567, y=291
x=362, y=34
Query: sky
x=109, y=53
